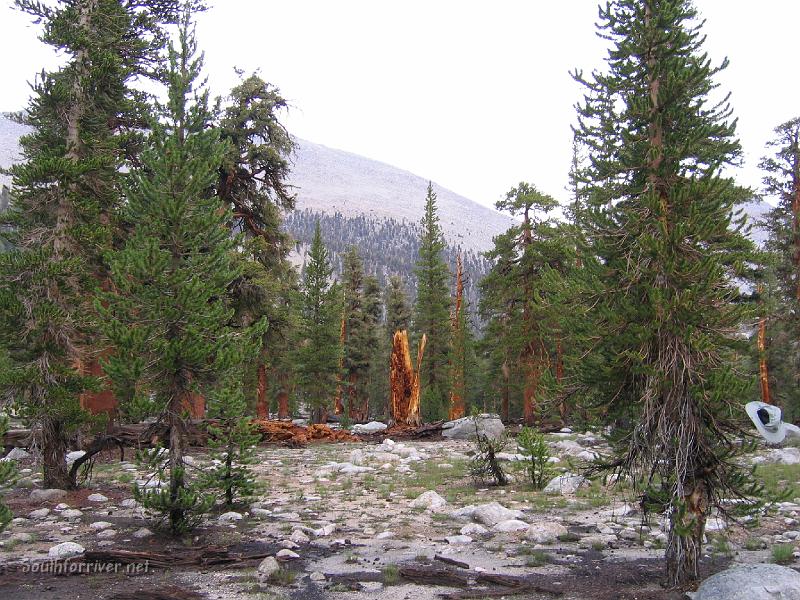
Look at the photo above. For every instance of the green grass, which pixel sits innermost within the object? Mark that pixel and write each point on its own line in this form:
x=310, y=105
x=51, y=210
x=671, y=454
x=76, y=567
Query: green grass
x=538, y=558
x=720, y=545
x=753, y=543
x=569, y=537
x=778, y=480
x=283, y=577
x=391, y=574
x=782, y=554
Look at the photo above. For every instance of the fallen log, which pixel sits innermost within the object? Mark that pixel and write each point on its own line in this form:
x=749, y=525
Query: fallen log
x=286, y=432
x=450, y=561
x=166, y=593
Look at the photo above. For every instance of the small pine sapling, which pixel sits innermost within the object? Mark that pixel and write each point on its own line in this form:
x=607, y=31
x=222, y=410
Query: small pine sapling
x=232, y=441
x=180, y=509
x=537, y=457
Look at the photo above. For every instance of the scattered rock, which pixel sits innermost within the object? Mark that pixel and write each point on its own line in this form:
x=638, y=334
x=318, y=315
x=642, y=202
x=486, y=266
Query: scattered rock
x=598, y=541
x=97, y=498
x=286, y=554
x=325, y=530
x=750, y=582
x=473, y=529
x=288, y=544
x=142, y=533
x=21, y=538
x=510, y=526
x=229, y=517
x=40, y=513
x=73, y=456
x=565, y=484
x=465, y=428
x=458, y=540
x=260, y=513
x=65, y=550
x=267, y=568
x=384, y=535
x=368, y=428
x=47, y=495
x=545, y=533
x=298, y=537
x=429, y=500
x=100, y=525
x=72, y=513
x=493, y=513
x=317, y=576
x=129, y=503
x=106, y=534
x=716, y=524
x=16, y=454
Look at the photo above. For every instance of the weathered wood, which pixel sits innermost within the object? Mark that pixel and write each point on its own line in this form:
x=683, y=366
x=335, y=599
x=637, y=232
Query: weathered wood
x=451, y=561
x=404, y=381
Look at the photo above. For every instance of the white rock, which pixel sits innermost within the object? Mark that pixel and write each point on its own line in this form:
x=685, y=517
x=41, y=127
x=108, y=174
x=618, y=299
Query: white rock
x=587, y=455
x=142, y=533
x=21, y=538
x=628, y=533
x=298, y=537
x=493, y=513
x=599, y=540
x=286, y=554
x=465, y=428
x=429, y=500
x=715, y=524
x=62, y=506
x=473, y=529
x=325, y=530
x=16, y=454
x=65, y=550
x=97, y=498
x=368, y=428
x=565, y=484
x=73, y=456
x=357, y=457
x=267, y=568
x=47, y=495
x=128, y=503
x=40, y=513
x=100, y=525
x=260, y=513
x=510, y=526
x=229, y=516
x=317, y=576
x=616, y=512
x=106, y=534
x=463, y=514
x=751, y=582
x=72, y=513
x=545, y=533
x=288, y=544
x=457, y=540
x=384, y=535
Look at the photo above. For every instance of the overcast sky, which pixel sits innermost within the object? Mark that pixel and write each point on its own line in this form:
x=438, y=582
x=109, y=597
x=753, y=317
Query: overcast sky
x=476, y=96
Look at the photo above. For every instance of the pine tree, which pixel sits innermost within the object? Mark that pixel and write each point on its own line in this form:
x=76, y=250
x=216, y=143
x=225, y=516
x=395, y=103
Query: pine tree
x=666, y=249
x=782, y=289
x=8, y=475
x=398, y=311
x=377, y=386
x=357, y=337
x=318, y=348
x=168, y=307
x=85, y=119
x=432, y=313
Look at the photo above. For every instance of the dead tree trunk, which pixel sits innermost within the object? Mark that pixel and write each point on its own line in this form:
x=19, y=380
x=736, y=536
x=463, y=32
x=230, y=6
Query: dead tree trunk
x=404, y=381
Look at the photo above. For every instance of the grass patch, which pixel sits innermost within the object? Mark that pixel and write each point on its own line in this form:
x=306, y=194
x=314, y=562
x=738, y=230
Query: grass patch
x=753, y=543
x=391, y=575
x=782, y=554
x=569, y=537
x=779, y=480
x=283, y=577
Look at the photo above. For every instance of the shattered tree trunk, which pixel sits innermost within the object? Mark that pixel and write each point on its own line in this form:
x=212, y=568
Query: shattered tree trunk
x=457, y=408
x=404, y=381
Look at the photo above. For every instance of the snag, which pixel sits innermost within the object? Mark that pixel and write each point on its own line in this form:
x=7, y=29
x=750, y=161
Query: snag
x=404, y=381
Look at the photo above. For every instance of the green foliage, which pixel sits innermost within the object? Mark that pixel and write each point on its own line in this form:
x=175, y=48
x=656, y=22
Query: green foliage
x=318, y=349
x=537, y=454
x=664, y=248
x=432, y=314
x=391, y=575
x=181, y=509
x=8, y=475
x=232, y=442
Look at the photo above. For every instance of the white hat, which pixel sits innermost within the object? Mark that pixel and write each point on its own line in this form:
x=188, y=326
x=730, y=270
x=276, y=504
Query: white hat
x=767, y=419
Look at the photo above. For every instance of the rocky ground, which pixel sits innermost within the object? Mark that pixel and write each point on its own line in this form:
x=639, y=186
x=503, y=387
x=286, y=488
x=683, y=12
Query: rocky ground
x=389, y=520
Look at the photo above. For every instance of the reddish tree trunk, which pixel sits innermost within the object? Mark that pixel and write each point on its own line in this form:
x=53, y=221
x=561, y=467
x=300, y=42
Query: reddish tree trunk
x=404, y=381
x=283, y=397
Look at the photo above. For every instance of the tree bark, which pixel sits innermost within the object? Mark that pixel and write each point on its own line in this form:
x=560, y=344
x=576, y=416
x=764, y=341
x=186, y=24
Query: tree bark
x=283, y=396
x=177, y=436
x=262, y=402
x=457, y=408
x=404, y=381
x=54, y=451
x=763, y=370
x=683, y=551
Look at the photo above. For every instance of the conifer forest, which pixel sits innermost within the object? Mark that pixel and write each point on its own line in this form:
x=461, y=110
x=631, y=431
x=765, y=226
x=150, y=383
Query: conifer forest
x=211, y=390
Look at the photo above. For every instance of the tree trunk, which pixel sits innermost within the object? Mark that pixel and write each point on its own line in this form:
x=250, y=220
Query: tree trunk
x=54, y=456
x=404, y=381
x=177, y=435
x=504, y=408
x=338, y=406
x=529, y=394
x=796, y=221
x=262, y=402
x=683, y=551
x=763, y=371
x=283, y=397
x=457, y=408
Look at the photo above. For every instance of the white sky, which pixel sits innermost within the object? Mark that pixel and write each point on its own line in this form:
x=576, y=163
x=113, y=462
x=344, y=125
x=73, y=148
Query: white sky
x=473, y=95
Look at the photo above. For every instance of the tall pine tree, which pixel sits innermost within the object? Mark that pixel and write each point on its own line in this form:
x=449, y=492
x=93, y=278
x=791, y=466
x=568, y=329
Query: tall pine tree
x=168, y=308
x=666, y=249
x=432, y=314
x=318, y=348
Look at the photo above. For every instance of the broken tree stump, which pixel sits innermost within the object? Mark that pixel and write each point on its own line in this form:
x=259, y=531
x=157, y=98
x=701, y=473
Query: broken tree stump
x=404, y=381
